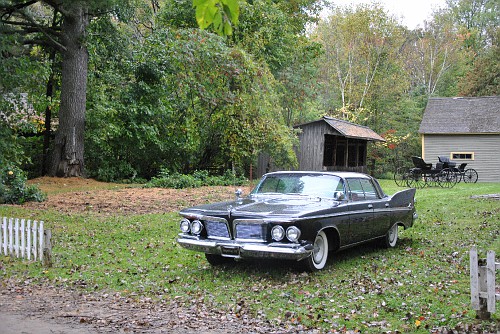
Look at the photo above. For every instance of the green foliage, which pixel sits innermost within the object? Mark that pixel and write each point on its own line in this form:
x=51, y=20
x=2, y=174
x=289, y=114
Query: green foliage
x=360, y=65
x=273, y=31
x=484, y=78
x=19, y=121
x=162, y=93
x=167, y=179
x=477, y=21
x=10, y=149
x=185, y=100
x=398, y=124
x=13, y=187
x=222, y=14
x=178, y=14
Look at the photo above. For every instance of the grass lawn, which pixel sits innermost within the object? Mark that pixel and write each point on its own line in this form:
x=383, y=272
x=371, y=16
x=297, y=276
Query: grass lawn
x=422, y=285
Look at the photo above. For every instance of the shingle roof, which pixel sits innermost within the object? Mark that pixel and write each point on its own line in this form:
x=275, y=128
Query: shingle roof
x=461, y=115
x=350, y=130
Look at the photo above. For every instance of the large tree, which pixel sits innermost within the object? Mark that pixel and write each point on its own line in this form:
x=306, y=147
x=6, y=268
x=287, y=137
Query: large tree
x=478, y=24
x=274, y=33
x=477, y=21
x=431, y=53
x=59, y=25
x=361, y=46
x=484, y=78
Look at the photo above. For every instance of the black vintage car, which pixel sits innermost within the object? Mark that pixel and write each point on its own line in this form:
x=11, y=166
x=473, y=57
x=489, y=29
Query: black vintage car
x=298, y=216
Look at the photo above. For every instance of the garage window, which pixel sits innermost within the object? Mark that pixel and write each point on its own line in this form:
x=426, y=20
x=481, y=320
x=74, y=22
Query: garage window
x=462, y=155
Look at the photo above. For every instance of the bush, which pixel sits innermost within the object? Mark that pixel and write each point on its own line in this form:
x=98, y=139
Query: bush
x=13, y=187
x=199, y=178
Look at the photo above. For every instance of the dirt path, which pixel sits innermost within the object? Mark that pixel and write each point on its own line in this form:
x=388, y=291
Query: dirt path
x=76, y=195
x=37, y=309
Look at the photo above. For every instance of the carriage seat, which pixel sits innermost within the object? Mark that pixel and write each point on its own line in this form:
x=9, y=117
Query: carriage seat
x=462, y=166
x=418, y=162
x=447, y=163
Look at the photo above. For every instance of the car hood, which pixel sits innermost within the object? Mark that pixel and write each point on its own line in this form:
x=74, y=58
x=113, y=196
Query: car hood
x=260, y=206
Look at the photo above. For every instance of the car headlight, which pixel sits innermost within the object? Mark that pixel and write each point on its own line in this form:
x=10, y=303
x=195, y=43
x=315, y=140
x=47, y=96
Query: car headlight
x=293, y=234
x=277, y=233
x=196, y=227
x=185, y=225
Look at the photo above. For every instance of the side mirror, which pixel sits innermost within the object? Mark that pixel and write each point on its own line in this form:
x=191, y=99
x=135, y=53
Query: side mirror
x=238, y=193
x=339, y=196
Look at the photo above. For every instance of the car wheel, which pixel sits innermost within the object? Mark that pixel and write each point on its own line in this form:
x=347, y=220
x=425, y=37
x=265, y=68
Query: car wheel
x=391, y=238
x=217, y=260
x=317, y=260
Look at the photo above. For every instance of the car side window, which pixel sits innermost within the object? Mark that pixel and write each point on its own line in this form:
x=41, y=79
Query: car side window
x=356, y=192
x=369, y=189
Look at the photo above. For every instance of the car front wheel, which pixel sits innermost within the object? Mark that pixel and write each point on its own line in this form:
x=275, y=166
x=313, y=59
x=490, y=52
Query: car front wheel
x=317, y=260
x=391, y=238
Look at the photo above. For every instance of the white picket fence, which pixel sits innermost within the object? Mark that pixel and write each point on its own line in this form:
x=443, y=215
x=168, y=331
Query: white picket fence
x=23, y=238
x=482, y=283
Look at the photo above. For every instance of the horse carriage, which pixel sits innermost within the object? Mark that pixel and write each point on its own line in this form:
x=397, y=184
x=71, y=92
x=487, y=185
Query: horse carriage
x=468, y=175
x=445, y=174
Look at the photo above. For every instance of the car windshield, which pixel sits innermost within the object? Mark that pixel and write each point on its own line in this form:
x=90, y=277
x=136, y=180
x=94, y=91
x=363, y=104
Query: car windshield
x=302, y=184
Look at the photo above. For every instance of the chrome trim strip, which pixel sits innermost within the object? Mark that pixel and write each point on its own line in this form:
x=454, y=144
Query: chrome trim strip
x=248, y=250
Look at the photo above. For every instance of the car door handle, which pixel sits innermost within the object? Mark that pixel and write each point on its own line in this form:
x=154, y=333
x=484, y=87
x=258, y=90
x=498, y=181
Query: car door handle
x=370, y=206
x=386, y=205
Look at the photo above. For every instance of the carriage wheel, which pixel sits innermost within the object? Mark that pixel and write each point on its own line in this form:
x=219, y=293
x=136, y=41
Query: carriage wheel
x=447, y=178
x=409, y=178
x=427, y=180
x=416, y=179
x=458, y=173
x=401, y=176
x=470, y=176
x=433, y=180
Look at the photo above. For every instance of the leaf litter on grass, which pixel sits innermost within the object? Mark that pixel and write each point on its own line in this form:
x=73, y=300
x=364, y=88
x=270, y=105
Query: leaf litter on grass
x=417, y=287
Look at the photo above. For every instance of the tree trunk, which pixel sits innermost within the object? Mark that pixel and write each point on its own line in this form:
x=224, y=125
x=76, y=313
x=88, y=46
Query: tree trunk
x=48, y=116
x=67, y=157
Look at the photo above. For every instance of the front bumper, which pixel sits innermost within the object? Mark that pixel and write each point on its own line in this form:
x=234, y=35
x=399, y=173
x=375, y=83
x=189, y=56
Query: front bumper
x=240, y=249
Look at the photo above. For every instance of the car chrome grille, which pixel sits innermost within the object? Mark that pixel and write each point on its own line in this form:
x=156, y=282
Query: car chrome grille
x=251, y=231
x=216, y=229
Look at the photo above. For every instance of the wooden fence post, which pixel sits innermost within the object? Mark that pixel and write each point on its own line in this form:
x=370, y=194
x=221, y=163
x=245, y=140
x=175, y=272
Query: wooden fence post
x=3, y=236
x=474, y=279
x=11, y=237
x=23, y=239
x=483, y=285
x=41, y=234
x=16, y=237
x=28, y=239
x=491, y=269
x=47, y=249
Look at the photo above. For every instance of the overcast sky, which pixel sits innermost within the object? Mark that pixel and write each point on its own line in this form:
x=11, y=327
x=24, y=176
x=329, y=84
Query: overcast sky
x=412, y=13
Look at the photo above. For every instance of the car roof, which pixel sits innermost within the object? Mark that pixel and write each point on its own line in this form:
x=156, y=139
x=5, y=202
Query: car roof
x=334, y=173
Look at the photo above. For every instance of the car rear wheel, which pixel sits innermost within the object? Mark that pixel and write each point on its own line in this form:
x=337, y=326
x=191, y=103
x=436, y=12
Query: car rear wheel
x=317, y=260
x=391, y=238
x=217, y=260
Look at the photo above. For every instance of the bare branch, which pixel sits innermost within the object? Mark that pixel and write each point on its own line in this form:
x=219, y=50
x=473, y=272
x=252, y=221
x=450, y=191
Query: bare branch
x=17, y=7
x=29, y=25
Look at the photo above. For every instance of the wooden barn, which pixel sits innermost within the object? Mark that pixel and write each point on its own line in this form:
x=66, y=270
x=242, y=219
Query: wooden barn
x=330, y=144
x=334, y=144
x=467, y=130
